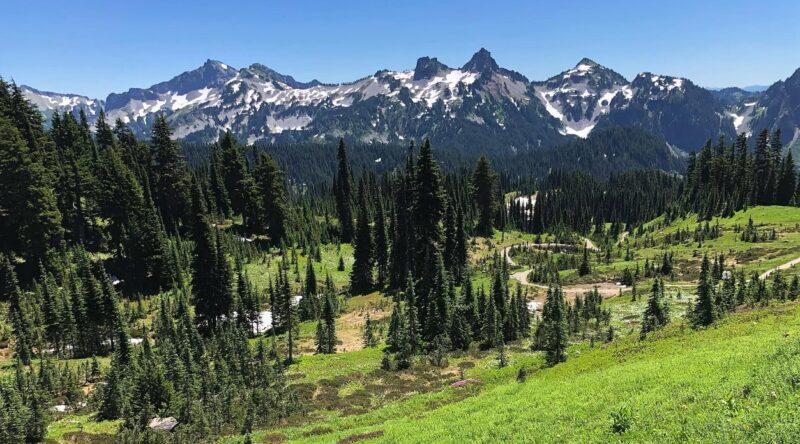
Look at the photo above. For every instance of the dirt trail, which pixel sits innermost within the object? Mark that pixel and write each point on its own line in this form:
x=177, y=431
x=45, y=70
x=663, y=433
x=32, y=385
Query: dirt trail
x=789, y=264
x=606, y=289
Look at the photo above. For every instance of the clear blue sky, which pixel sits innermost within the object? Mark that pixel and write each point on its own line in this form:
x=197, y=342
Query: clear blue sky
x=94, y=47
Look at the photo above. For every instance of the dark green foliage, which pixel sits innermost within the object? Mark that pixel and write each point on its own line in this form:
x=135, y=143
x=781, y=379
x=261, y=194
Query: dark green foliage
x=485, y=195
x=381, y=246
x=238, y=182
x=343, y=192
x=554, y=327
x=171, y=177
x=19, y=312
x=326, y=326
x=31, y=222
x=361, y=280
x=584, y=268
x=368, y=338
x=704, y=313
x=273, y=205
x=211, y=277
x=656, y=314
x=724, y=179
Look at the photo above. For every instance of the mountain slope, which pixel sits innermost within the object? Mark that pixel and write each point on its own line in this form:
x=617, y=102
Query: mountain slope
x=479, y=103
x=778, y=109
x=50, y=102
x=730, y=383
x=673, y=108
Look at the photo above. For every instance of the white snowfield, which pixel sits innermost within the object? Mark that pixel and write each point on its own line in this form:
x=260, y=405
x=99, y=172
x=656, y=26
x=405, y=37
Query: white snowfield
x=578, y=98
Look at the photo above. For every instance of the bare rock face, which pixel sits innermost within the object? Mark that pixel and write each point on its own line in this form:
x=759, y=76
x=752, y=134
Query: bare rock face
x=166, y=424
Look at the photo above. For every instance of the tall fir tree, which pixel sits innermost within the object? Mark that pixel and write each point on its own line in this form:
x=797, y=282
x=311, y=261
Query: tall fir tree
x=484, y=193
x=274, y=201
x=172, y=185
x=361, y=280
x=343, y=192
x=704, y=312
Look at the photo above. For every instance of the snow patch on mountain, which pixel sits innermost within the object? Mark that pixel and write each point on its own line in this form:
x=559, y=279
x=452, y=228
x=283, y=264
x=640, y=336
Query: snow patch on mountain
x=581, y=96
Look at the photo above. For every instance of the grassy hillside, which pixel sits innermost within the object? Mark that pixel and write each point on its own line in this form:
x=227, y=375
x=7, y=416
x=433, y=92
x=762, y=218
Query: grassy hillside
x=735, y=382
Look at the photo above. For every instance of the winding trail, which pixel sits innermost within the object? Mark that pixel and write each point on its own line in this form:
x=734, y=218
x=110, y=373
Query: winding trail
x=606, y=289
x=789, y=264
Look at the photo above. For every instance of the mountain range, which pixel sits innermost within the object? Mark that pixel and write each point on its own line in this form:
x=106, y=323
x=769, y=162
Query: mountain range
x=477, y=104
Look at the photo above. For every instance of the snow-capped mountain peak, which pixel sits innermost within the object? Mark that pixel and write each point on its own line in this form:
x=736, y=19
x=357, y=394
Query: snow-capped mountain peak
x=481, y=102
x=50, y=102
x=580, y=96
x=659, y=83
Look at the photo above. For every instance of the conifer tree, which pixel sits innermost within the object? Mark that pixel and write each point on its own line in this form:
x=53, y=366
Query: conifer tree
x=554, y=326
x=204, y=264
x=327, y=334
x=382, y=252
x=523, y=314
x=217, y=181
x=31, y=223
x=368, y=339
x=18, y=313
x=397, y=327
x=704, y=311
x=656, y=314
x=238, y=182
x=361, y=274
x=172, y=185
x=273, y=204
x=307, y=308
x=485, y=195
x=491, y=326
x=343, y=192
x=460, y=332
x=429, y=207
x=584, y=267
x=413, y=333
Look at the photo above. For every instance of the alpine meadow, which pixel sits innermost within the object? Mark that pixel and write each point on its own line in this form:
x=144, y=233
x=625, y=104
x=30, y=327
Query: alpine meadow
x=443, y=254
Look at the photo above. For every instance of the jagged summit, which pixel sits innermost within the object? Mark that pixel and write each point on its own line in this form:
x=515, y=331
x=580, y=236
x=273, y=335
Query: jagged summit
x=479, y=101
x=481, y=62
x=267, y=73
x=428, y=67
x=587, y=62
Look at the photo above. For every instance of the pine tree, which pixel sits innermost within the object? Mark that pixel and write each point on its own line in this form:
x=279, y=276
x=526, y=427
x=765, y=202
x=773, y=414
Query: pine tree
x=31, y=223
x=172, y=185
x=787, y=182
x=437, y=314
x=656, y=314
x=584, y=267
x=460, y=256
x=704, y=312
x=273, y=204
x=524, y=315
x=397, y=328
x=308, y=304
x=554, y=326
x=429, y=207
x=21, y=322
x=382, y=252
x=343, y=191
x=205, y=265
x=412, y=318
x=460, y=332
x=485, y=195
x=217, y=181
x=491, y=325
x=361, y=274
x=328, y=319
x=368, y=339
x=238, y=182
